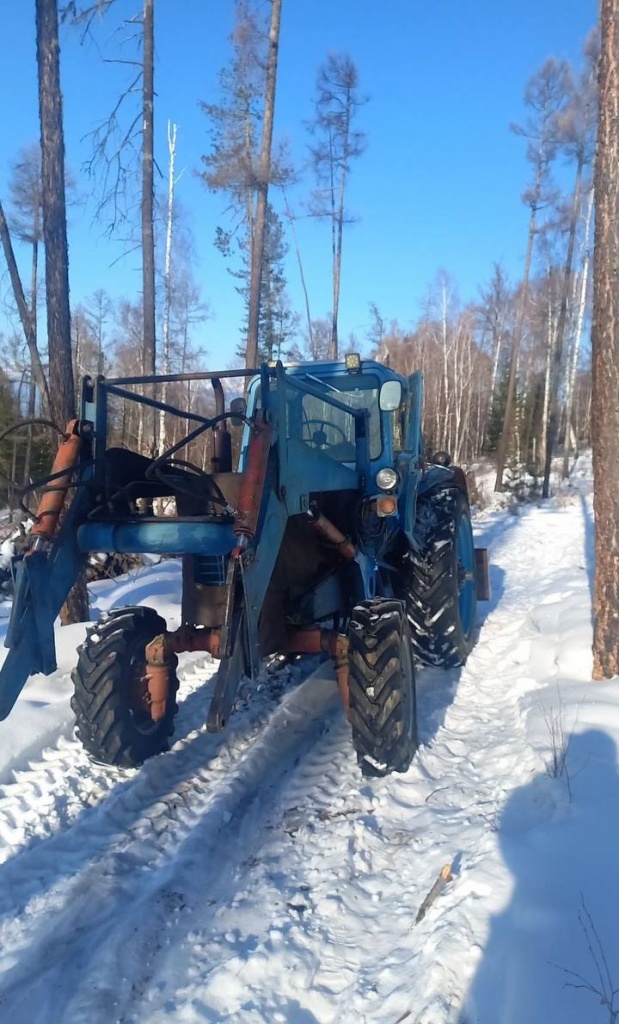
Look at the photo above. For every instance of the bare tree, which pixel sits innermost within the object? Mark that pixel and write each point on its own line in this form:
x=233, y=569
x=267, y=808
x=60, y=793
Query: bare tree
x=167, y=274
x=24, y=310
x=545, y=96
x=337, y=143
x=291, y=218
x=121, y=145
x=605, y=401
x=98, y=311
x=236, y=167
x=262, y=184
x=148, y=193
x=576, y=135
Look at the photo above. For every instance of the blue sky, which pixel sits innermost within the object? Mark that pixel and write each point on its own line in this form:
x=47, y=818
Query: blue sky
x=438, y=187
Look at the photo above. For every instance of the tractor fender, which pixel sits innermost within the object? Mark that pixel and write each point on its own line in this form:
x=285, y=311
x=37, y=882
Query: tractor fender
x=438, y=477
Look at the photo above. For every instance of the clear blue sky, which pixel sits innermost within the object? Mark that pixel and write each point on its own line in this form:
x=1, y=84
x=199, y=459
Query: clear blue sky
x=439, y=184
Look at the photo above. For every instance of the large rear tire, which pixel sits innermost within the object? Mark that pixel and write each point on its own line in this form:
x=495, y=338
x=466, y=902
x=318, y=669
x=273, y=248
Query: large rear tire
x=110, y=700
x=441, y=600
x=383, y=706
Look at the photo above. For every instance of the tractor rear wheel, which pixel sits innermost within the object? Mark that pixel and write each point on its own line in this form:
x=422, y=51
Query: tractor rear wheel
x=441, y=600
x=381, y=679
x=110, y=699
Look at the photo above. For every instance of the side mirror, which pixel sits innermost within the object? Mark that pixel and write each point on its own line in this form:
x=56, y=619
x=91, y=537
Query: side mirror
x=390, y=395
x=238, y=407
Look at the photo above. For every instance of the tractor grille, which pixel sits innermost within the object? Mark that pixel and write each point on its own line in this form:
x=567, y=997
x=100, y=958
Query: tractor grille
x=210, y=570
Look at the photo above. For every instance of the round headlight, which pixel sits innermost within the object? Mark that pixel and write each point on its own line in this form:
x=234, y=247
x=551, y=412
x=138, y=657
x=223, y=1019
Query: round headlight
x=387, y=479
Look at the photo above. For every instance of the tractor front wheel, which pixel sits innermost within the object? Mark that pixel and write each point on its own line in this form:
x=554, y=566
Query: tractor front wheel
x=110, y=700
x=440, y=581
x=383, y=706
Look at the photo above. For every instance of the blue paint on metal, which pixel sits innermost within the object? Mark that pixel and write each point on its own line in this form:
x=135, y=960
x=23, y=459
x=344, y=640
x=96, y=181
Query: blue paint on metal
x=257, y=567
x=298, y=470
x=41, y=590
x=166, y=538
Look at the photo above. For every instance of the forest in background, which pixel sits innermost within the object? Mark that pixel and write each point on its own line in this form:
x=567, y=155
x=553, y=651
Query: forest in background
x=506, y=376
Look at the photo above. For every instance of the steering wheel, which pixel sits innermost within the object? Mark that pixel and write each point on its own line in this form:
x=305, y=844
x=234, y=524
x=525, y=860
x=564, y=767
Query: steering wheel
x=319, y=437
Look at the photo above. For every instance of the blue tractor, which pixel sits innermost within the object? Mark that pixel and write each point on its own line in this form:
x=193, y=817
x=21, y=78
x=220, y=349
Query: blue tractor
x=335, y=534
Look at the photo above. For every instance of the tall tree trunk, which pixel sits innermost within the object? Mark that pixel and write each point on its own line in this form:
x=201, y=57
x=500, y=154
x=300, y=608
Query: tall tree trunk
x=339, y=234
x=167, y=277
x=605, y=355
x=62, y=393
x=257, y=249
x=580, y=318
x=553, y=422
x=148, y=194
x=550, y=349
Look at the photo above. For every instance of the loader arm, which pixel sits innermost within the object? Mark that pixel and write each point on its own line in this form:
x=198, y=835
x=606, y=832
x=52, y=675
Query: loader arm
x=44, y=576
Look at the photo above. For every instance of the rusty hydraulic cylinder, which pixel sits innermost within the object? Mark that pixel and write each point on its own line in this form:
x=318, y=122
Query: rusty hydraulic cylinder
x=252, y=484
x=327, y=641
x=157, y=653
x=54, y=495
x=331, y=533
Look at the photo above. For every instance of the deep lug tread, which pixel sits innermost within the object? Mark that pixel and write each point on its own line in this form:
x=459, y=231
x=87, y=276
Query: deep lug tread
x=431, y=585
x=382, y=688
x=101, y=699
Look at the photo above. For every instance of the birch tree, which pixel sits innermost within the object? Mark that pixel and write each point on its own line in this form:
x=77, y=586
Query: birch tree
x=575, y=126
x=167, y=275
x=581, y=304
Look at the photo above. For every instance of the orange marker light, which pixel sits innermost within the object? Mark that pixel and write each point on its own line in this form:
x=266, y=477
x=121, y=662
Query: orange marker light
x=386, y=506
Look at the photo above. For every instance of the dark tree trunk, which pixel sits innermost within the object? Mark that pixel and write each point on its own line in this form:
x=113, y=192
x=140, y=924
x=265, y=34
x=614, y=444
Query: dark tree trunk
x=257, y=250
x=148, y=192
x=62, y=394
x=605, y=355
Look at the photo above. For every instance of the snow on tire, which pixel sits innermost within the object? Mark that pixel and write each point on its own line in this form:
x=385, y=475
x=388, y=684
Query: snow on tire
x=441, y=601
x=383, y=707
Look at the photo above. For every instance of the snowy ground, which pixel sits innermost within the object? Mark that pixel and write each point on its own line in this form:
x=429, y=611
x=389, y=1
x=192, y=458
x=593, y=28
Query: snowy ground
x=254, y=877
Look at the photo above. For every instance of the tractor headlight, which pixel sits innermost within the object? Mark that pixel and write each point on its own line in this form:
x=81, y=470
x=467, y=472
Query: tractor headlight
x=387, y=479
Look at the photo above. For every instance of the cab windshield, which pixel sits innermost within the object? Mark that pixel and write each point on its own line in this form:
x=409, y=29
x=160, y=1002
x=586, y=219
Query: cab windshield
x=332, y=430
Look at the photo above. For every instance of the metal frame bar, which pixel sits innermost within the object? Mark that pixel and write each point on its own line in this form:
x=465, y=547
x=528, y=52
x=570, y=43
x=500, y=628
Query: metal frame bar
x=154, y=403
x=170, y=378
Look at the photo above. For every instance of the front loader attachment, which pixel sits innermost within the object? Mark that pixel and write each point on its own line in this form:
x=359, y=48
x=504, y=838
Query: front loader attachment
x=44, y=574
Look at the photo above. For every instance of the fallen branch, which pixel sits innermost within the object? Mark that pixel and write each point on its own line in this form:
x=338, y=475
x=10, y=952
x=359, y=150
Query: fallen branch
x=444, y=877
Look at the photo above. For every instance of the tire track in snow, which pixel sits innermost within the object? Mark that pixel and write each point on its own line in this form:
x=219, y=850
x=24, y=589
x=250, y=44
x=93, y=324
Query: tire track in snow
x=114, y=866
x=254, y=890
x=302, y=931
x=50, y=794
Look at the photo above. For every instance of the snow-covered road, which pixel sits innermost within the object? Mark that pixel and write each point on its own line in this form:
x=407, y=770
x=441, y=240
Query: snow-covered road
x=255, y=877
